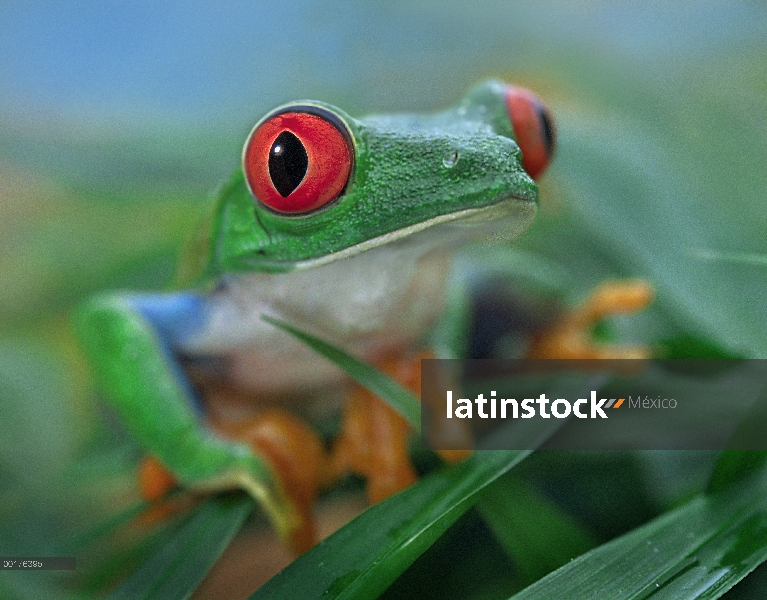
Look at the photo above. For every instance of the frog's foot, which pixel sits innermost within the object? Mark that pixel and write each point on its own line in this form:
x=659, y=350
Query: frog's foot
x=297, y=455
x=374, y=437
x=571, y=336
x=155, y=481
x=374, y=443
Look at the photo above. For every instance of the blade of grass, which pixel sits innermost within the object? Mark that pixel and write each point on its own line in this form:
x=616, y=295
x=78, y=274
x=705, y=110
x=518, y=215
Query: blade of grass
x=700, y=550
x=363, y=558
x=718, y=298
x=735, y=465
x=537, y=545
x=736, y=257
x=175, y=570
x=96, y=532
x=386, y=388
x=105, y=565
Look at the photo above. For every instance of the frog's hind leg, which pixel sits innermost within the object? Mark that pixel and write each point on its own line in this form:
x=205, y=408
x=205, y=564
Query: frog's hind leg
x=571, y=336
x=155, y=482
x=133, y=343
x=154, y=479
x=292, y=448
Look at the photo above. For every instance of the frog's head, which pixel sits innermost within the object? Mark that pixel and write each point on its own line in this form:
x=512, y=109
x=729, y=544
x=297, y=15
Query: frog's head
x=318, y=185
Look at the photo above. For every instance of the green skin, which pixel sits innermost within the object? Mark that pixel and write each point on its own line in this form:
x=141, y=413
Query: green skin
x=402, y=183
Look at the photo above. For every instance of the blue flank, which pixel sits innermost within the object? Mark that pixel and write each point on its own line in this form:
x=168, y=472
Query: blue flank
x=174, y=317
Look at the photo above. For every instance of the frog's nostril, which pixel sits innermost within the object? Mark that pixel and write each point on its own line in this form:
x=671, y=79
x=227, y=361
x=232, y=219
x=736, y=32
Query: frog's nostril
x=450, y=159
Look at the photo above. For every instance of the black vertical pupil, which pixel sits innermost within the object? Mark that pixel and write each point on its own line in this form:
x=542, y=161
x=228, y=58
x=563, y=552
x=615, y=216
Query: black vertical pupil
x=549, y=137
x=288, y=162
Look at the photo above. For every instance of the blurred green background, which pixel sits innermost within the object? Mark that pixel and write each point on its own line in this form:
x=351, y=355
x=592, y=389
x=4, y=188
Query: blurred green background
x=118, y=122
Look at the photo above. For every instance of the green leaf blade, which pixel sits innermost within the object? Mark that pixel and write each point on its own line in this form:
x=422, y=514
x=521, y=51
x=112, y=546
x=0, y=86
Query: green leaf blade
x=537, y=545
x=177, y=567
x=363, y=558
x=698, y=551
x=384, y=387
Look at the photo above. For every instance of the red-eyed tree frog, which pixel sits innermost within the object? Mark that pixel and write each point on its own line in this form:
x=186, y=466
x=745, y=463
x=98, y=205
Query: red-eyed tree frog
x=343, y=228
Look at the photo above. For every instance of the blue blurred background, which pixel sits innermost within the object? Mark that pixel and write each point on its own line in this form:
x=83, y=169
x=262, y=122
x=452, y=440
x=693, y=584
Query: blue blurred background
x=119, y=120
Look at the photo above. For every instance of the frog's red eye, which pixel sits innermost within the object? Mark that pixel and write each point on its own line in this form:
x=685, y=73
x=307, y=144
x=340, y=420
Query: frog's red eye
x=533, y=128
x=298, y=160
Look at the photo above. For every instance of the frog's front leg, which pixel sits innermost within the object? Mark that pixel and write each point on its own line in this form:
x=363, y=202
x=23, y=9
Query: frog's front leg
x=571, y=335
x=374, y=438
x=130, y=342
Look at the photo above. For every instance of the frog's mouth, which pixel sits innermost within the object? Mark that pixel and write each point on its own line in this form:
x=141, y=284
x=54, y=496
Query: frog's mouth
x=506, y=219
